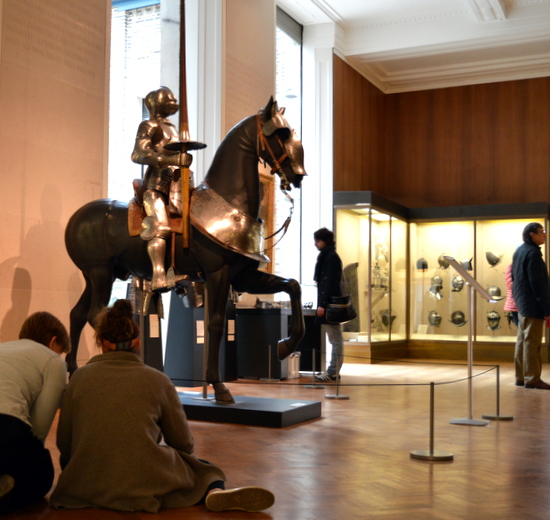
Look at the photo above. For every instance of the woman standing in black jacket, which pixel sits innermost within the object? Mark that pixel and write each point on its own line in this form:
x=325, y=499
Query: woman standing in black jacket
x=328, y=273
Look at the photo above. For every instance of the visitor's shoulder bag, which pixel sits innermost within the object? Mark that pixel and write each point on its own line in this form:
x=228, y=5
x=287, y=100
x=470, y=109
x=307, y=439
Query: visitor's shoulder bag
x=340, y=308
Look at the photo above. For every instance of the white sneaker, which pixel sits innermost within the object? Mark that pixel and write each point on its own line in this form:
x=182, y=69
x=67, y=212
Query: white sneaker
x=251, y=499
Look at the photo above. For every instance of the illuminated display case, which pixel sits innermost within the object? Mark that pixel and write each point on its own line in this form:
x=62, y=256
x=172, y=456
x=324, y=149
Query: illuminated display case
x=403, y=287
x=483, y=240
x=371, y=235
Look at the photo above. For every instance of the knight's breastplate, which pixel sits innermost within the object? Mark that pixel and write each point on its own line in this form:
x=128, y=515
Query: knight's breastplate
x=214, y=216
x=166, y=133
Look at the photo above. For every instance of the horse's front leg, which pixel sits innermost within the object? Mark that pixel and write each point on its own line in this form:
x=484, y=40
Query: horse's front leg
x=217, y=291
x=259, y=282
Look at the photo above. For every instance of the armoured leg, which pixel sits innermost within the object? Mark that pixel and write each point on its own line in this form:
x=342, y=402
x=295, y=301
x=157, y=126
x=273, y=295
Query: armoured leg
x=155, y=230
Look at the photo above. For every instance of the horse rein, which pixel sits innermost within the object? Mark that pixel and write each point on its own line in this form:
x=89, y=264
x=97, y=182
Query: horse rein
x=263, y=144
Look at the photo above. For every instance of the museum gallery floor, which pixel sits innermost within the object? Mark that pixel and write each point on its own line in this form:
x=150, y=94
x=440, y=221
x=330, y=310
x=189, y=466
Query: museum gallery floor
x=354, y=461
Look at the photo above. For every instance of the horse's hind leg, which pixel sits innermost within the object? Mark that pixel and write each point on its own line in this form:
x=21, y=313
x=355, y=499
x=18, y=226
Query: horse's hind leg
x=99, y=282
x=217, y=290
x=260, y=282
x=78, y=317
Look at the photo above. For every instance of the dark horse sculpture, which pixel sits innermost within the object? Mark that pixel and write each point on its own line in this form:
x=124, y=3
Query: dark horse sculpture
x=99, y=243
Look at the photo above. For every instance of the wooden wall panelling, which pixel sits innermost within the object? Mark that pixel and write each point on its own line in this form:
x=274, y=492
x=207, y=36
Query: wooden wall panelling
x=510, y=145
x=408, y=153
x=537, y=138
x=479, y=110
x=358, y=140
x=475, y=144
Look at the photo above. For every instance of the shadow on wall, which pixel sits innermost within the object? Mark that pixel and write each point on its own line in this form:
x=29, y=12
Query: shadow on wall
x=20, y=299
x=39, y=273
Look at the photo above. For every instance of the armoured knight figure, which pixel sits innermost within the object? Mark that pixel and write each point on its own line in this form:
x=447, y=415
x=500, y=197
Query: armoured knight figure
x=163, y=168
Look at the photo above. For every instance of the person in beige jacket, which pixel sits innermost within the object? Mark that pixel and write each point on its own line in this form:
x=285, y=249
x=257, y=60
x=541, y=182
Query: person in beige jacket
x=124, y=439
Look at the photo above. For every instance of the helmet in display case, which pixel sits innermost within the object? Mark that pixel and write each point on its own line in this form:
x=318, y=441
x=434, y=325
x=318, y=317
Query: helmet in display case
x=493, y=319
x=434, y=318
x=437, y=285
x=457, y=283
x=422, y=264
x=458, y=318
x=442, y=261
x=495, y=292
x=493, y=258
x=467, y=264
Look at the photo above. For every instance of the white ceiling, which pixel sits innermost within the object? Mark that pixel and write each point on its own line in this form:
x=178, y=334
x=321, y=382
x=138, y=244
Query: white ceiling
x=406, y=45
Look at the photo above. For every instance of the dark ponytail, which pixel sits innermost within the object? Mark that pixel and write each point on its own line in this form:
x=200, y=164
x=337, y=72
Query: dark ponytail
x=116, y=324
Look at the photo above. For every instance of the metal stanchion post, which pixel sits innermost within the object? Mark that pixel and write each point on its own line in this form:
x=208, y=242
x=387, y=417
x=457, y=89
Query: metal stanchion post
x=268, y=378
x=470, y=421
x=337, y=395
x=498, y=417
x=204, y=396
x=431, y=454
x=313, y=384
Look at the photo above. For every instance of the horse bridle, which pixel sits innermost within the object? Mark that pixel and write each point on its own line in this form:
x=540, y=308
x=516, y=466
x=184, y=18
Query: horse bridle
x=263, y=144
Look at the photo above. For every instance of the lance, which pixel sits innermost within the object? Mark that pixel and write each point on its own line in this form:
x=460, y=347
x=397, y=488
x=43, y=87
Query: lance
x=185, y=144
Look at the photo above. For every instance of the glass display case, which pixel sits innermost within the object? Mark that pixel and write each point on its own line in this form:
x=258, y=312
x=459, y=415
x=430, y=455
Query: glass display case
x=371, y=236
x=405, y=290
x=439, y=305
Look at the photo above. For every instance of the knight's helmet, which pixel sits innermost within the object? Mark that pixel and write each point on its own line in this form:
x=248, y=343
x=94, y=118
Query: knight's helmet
x=437, y=285
x=495, y=292
x=458, y=318
x=422, y=264
x=434, y=318
x=493, y=319
x=467, y=264
x=457, y=283
x=493, y=258
x=442, y=261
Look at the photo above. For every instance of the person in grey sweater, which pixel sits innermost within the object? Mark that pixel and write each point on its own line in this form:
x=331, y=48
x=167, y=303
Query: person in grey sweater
x=32, y=381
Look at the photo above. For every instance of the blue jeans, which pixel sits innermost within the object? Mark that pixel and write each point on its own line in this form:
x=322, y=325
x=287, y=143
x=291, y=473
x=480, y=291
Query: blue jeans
x=334, y=333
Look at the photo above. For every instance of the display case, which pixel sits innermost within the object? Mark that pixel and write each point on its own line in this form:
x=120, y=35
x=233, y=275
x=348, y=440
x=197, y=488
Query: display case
x=405, y=290
x=371, y=236
x=483, y=240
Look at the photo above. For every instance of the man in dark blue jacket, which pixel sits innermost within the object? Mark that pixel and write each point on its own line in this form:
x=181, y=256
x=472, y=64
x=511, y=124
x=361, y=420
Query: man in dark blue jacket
x=531, y=291
x=328, y=273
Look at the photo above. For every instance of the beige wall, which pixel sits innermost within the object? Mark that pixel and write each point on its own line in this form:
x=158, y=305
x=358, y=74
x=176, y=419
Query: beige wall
x=53, y=131
x=249, y=58
x=53, y=127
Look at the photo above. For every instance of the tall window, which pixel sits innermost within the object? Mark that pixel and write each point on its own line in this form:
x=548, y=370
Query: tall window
x=289, y=95
x=135, y=70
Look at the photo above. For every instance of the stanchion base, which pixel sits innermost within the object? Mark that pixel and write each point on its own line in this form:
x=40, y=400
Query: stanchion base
x=499, y=417
x=336, y=396
x=431, y=455
x=469, y=422
x=204, y=398
x=320, y=387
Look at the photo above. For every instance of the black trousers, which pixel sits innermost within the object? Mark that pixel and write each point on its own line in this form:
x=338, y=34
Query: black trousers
x=23, y=456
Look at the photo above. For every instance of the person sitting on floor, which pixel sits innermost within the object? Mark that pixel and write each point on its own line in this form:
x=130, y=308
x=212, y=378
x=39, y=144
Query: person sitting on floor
x=114, y=417
x=33, y=377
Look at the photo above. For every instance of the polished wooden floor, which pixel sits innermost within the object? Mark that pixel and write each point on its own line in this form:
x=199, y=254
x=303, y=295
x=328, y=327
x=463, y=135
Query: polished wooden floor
x=354, y=462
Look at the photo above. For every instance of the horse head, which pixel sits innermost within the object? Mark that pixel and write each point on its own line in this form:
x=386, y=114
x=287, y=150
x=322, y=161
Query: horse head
x=279, y=146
